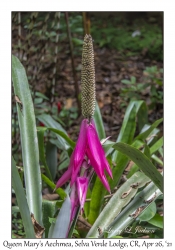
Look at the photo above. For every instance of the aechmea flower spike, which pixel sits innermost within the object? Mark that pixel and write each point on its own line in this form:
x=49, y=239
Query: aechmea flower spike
x=88, y=145
x=88, y=78
x=88, y=155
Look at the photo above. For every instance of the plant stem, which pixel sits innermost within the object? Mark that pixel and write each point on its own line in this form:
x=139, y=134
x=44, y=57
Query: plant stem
x=86, y=23
x=73, y=64
x=57, y=16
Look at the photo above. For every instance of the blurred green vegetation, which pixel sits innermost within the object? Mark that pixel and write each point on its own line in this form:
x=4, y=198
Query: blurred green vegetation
x=116, y=32
x=152, y=83
x=118, y=35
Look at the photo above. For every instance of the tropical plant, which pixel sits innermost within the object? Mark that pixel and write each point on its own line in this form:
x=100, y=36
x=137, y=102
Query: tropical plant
x=152, y=83
x=102, y=202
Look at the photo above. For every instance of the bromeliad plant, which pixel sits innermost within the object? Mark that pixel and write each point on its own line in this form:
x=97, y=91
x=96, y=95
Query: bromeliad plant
x=88, y=150
x=88, y=147
x=86, y=197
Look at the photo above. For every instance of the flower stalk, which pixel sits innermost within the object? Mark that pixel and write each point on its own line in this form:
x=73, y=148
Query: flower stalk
x=88, y=155
x=88, y=78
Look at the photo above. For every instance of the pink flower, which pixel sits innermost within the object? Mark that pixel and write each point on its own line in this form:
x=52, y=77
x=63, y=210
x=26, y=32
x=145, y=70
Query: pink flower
x=82, y=187
x=88, y=145
x=79, y=190
x=87, y=152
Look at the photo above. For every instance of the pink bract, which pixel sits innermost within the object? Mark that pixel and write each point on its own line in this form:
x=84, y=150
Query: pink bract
x=88, y=145
x=82, y=186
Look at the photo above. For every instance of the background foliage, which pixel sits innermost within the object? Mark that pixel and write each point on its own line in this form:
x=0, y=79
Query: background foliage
x=128, y=58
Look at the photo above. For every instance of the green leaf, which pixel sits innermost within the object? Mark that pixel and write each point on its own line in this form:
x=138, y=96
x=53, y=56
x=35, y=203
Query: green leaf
x=64, y=136
x=126, y=81
x=144, y=135
x=99, y=123
x=108, y=147
x=41, y=95
x=72, y=228
x=142, y=113
x=29, y=141
x=87, y=203
x=126, y=135
x=160, y=150
x=111, y=210
x=64, y=164
x=95, y=204
x=133, y=169
x=59, y=191
x=137, y=144
x=38, y=101
x=157, y=221
x=60, y=133
x=56, y=118
x=148, y=213
x=125, y=218
x=51, y=158
x=133, y=79
x=77, y=42
x=142, y=162
x=51, y=229
x=63, y=220
x=22, y=202
x=53, y=166
x=152, y=138
x=128, y=126
x=156, y=146
x=15, y=209
x=157, y=159
x=48, y=209
x=40, y=132
x=146, y=151
x=49, y=122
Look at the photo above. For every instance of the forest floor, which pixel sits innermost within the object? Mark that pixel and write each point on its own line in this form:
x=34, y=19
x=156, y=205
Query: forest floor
x=110, y=67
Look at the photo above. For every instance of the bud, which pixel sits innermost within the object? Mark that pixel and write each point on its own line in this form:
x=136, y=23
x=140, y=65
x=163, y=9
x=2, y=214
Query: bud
x=59, y=107
x=88, y=78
